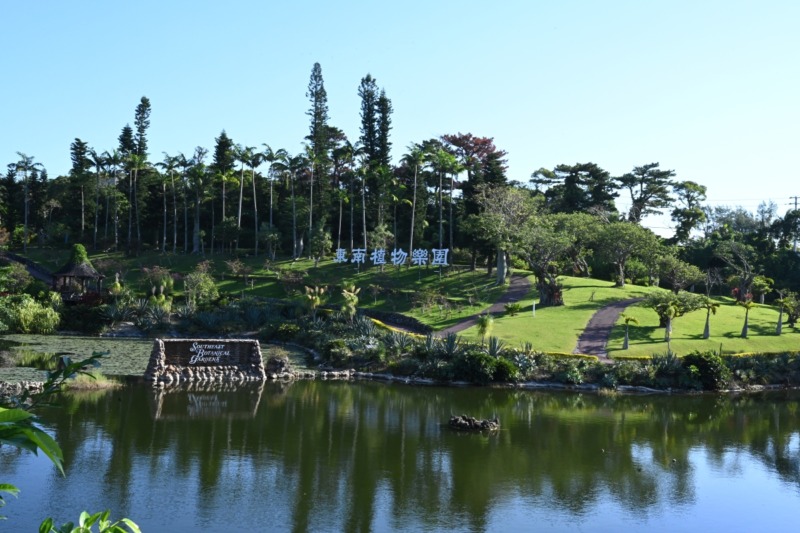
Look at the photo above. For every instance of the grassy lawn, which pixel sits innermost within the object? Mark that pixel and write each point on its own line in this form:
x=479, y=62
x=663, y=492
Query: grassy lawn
x=441, y=301
x=687, y=332
x=556, y=329
x=433, y=299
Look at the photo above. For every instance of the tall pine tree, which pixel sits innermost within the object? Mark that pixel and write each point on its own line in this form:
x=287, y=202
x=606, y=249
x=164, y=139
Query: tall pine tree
x=318, y=138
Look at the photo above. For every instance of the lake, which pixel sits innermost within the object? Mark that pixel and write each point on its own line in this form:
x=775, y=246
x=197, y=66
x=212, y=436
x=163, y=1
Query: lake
x=366, y=456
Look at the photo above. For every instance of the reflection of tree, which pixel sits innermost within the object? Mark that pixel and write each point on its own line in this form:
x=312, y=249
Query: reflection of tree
x=338, y=455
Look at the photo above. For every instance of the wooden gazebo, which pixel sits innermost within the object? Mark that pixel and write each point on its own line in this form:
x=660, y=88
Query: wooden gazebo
x=77, y=278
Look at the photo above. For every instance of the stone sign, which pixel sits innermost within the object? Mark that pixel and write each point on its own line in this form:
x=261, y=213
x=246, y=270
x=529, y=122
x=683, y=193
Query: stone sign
x=205, y=360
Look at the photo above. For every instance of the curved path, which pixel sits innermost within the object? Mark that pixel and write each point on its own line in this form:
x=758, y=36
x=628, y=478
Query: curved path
x=33, y=268
x=518, y=288
x=594, y=338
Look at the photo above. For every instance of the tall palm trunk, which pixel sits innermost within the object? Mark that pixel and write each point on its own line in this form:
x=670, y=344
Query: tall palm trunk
x=413, y=213
x=96, y=209
x=450, y=222
x=174, y=213
x=352, y=215
x=364, y=210
x=311, y=205
x=196, y=233
x=83, y=212
x=241, y=196
x=130, y=211
x=136, y=209
x=294, y=223
x=255, y=207
x=440, y=209
x=339, y=232
x=25, y=225
x=164, y=233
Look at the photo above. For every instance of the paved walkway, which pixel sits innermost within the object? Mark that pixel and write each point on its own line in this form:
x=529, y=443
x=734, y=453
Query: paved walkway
x=34, y=269
x=518, y=288
x=594, y=338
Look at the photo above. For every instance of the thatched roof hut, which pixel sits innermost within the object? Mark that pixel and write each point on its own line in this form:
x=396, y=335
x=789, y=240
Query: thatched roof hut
x=77, y=275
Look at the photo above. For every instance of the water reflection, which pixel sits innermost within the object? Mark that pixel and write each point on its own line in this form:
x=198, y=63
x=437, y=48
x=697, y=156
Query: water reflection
x=316, y=456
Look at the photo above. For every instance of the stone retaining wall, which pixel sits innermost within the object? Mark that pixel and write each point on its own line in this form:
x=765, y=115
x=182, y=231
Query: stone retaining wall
x=175, y=361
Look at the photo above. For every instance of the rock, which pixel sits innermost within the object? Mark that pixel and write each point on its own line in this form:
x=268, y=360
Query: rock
x=468, y=423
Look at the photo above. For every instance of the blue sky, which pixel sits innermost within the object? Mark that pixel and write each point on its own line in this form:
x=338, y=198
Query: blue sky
x=709, y=89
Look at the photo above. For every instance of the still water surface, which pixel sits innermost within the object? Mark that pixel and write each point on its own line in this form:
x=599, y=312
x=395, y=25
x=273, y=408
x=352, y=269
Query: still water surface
x=331, y=456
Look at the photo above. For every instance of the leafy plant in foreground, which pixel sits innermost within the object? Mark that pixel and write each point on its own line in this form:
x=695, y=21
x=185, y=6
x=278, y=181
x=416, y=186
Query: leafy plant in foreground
x=18, y=427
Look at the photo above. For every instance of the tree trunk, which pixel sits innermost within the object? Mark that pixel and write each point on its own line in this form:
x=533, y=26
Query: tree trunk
x=668, y=330
x=779, y=329
x=196, y=233
x=255, y=208
x=745, y=327
x=620, y=274
x=294, y=224
x=164, y=233
x=413, y=214
x=625, y=340
x=501, y=267
x=96, y=210
x=707, y=329
x=174, y=214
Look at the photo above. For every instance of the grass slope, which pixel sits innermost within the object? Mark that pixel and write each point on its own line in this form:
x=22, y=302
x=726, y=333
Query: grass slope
x=687, y=332
x=556, y=329
x=441, y=301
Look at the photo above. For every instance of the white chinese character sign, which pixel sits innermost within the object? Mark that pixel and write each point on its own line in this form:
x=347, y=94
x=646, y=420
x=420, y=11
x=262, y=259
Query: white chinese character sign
x=419, y=257
x=378, y=256
x=341, y=256
x=439, y=256
x=398, y=257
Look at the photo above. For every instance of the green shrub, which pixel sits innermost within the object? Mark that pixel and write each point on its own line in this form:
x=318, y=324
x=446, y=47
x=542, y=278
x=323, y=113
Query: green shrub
x=474, y=366
x=23, y=314
x=287, y=331
x=336, y=352
x=633, y=373
x=713, y=373
x=86, y=319
x=404, y=367
x=570, y=373
x=513, y=308
x=505, y=371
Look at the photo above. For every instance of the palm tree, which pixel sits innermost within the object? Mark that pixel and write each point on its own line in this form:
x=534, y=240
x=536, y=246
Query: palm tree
x=137, y=163
x=114, y=160
x=274, y=158
x=314, y=297
x=170, y=164
x=628, y=321
x=454, y=169
x=415, y=157
x=199, y=180
x=342, y=157
x=711, y=309
x=290, y=166
x=670, y=311
x=99, y=164
x=311, y=158
x=350, y=305
x=243, y=155
x=26, y=165
x=748, y=305
x=442, y=162
x=784, y=303
x=485, y=324
x=256, y=158
x=184, y=165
